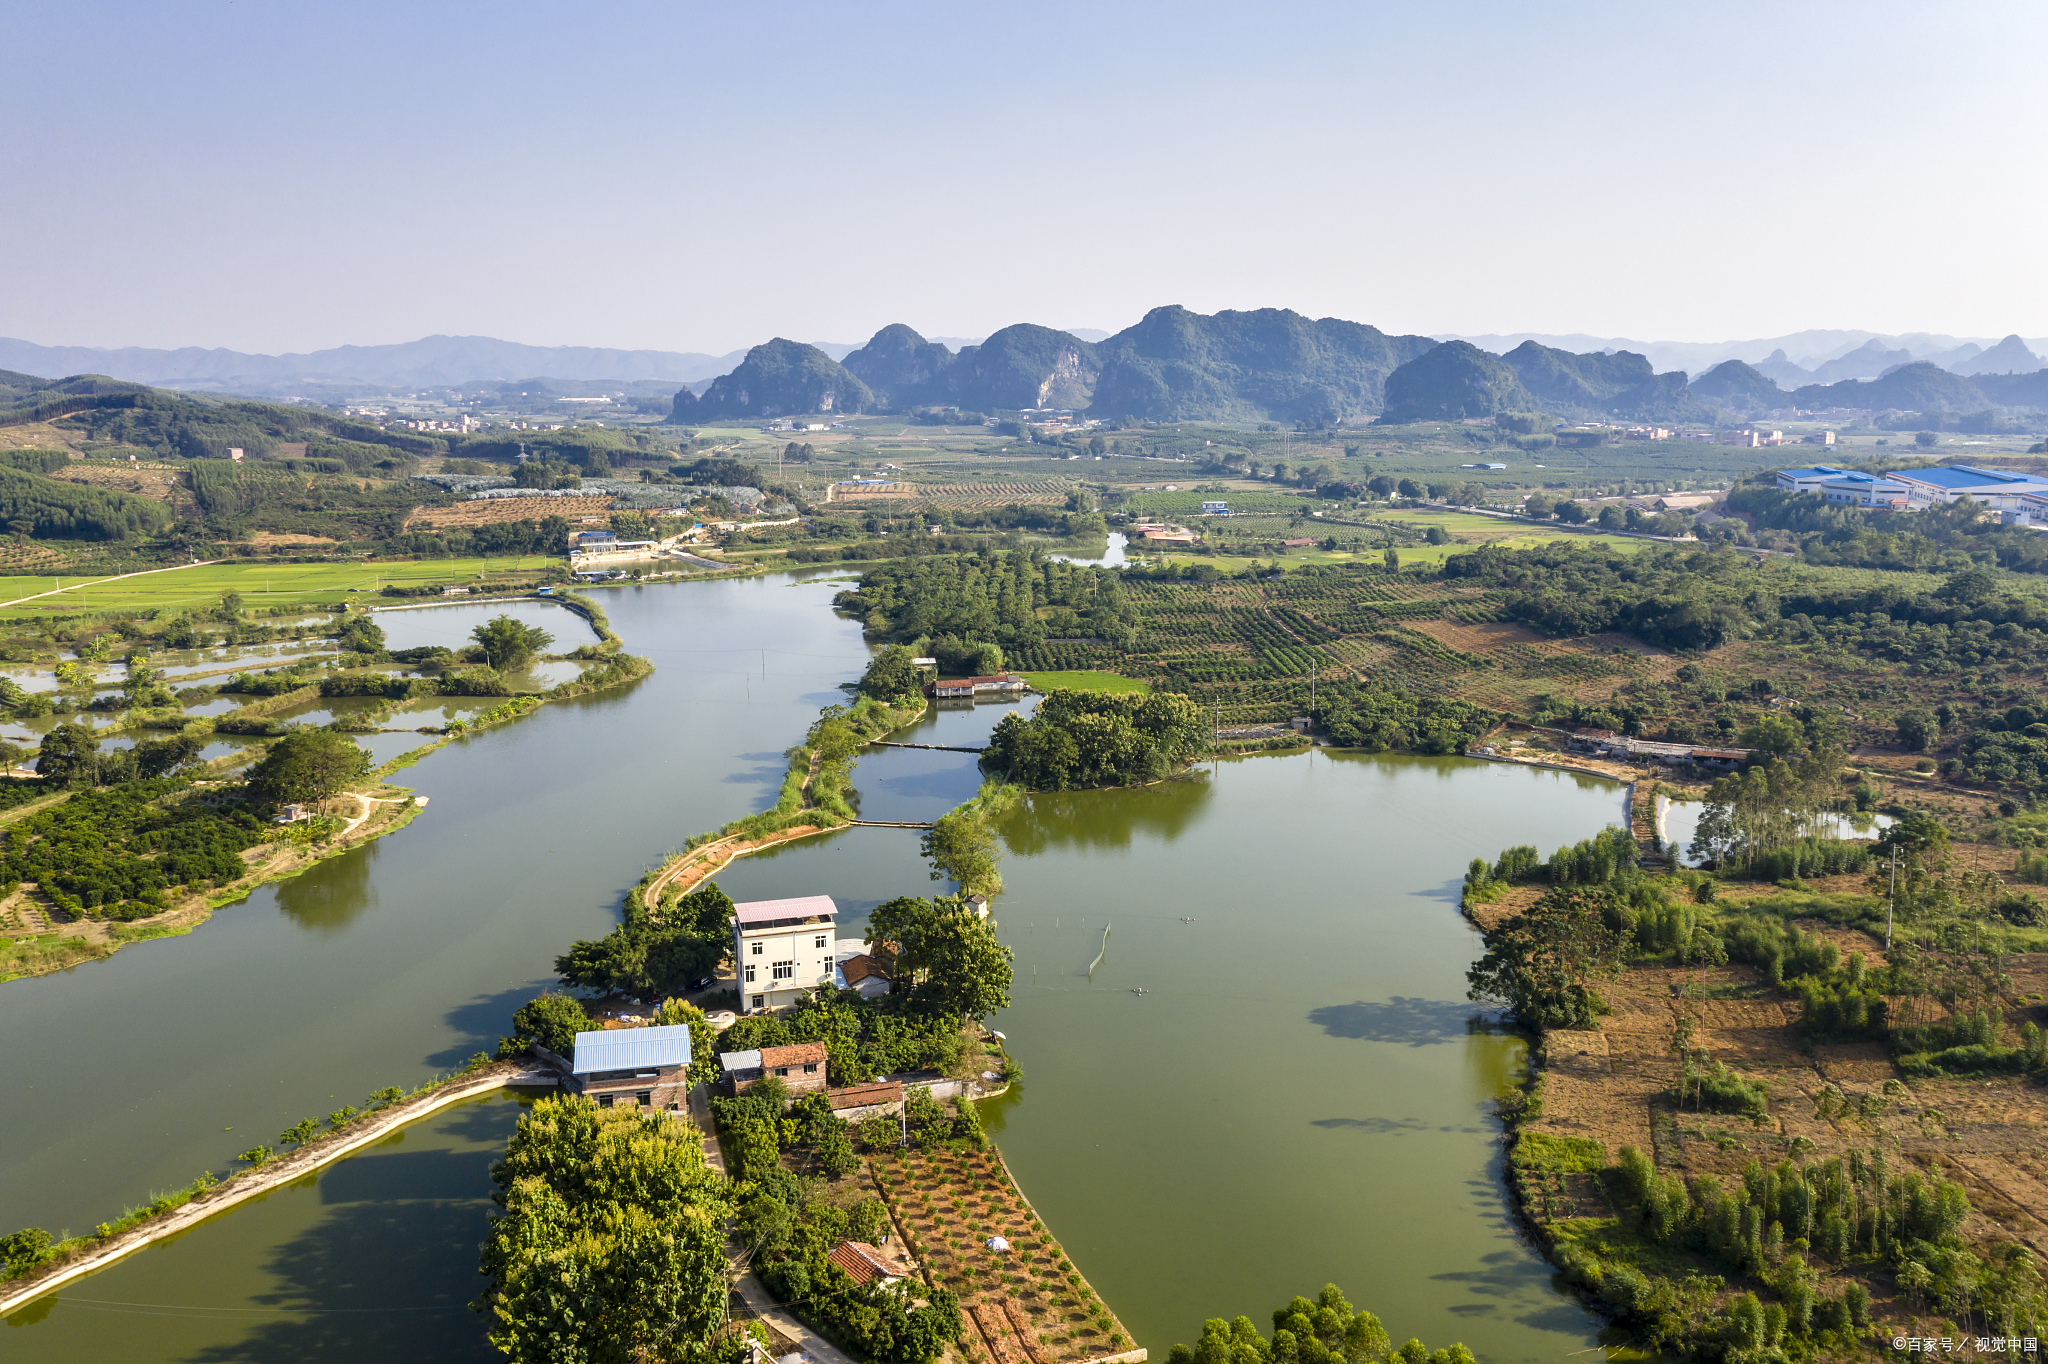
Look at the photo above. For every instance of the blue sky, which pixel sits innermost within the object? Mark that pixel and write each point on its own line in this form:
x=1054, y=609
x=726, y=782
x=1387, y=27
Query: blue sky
x=699, y=177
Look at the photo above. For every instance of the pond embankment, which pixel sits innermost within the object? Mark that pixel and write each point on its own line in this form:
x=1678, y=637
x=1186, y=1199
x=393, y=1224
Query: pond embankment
x=95, y=1254
x=383, y=808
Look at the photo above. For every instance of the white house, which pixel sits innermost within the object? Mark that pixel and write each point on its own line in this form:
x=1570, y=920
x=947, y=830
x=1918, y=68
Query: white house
x=784, y=949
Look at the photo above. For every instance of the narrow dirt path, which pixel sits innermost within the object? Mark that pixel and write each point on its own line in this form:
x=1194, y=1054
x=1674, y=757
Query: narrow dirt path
x=370, y=804
x=94, y=582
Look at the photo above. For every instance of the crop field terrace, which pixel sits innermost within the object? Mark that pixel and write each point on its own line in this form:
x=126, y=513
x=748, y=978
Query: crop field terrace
x=1247, y=649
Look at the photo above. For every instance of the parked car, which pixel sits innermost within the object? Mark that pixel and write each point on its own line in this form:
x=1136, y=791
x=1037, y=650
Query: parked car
x=702, y=983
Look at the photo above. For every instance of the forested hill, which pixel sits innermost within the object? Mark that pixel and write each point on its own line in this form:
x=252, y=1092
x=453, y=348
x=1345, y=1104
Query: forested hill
x=171, y=425
x=1174, y=365
x=779, y=378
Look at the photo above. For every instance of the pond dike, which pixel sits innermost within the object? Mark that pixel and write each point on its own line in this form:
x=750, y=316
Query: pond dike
x=254, y=1183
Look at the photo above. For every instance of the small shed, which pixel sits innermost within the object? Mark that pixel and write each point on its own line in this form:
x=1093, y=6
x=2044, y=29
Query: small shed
x=866, y=1264
x=741, y=1068
x=865, y=975
x=854, y=1102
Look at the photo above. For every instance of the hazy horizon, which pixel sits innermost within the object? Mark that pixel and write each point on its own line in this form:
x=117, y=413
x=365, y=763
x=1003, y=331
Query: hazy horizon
x=697, y=179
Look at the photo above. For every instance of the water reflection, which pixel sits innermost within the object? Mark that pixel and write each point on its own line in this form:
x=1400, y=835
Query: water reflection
x=450, y=626
x=1111, y=557
x=329, y=895
x=372, y=1258
x=1081, y=819
x=1401, y=1022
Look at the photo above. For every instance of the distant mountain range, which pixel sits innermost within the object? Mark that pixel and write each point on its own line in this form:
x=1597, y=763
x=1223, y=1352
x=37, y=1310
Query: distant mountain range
x=1174, y=365
x=1261, y=365
x=1822, y=356
x=1275, y=365
x=431, y=362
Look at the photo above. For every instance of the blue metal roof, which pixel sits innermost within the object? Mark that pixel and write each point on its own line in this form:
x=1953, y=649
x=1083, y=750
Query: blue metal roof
x=740, y=1060
x=1819, y=471
x=1952, y=477
x=632, y=1049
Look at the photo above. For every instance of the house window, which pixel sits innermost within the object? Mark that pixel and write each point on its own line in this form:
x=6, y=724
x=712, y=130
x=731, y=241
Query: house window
x=756, y=947
x=604, y=1101
x=750, y=973
x=810, y=1068
x=820, y=943
x=760, y=1001
x=782, y=1070
x=644, y=1097
x=784, y=970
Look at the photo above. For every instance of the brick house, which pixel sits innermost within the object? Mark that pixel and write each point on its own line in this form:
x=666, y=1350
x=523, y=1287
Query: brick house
x=801, y=1067
x=646, y=1067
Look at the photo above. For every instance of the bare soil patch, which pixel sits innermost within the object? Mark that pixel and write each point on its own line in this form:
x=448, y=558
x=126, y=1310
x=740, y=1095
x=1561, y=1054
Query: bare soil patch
x=490, y=510
x=144, y=480
x=1477, y=639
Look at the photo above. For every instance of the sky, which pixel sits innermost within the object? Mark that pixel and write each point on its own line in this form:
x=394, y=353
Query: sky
x=281, y=177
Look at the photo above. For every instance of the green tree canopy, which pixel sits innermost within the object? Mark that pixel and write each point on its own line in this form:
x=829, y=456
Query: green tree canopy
x=891, y=674
x=361, y=634
x=67, y=753
x=611, y=1242
x=1326, y=1330
x=949, y=952
x=962, y=847
x=1538, y=963
x=1083, y=739
x=551, y=1020
x=308, y=764
x=655, y=953
x=508, y=642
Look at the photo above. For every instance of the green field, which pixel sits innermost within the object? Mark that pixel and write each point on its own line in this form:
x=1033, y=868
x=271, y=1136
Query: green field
x=1089, y=681
x=1189, y=503
x=261, y=585
x=1436, y=554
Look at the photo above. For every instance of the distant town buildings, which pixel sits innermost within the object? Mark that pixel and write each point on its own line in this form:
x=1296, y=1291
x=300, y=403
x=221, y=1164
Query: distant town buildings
x=463, y=424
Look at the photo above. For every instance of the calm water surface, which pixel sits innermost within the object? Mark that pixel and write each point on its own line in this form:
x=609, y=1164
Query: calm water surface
x=1299, y=1095
x=359, y=1262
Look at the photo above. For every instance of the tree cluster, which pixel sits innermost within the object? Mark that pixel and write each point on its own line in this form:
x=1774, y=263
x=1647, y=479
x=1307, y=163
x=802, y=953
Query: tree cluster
x=610, y=1241
x=863, y=1038
x=992, y=597
x=1326, y=1330
x=1083, y=739
x=655, y=952
x=116, y=853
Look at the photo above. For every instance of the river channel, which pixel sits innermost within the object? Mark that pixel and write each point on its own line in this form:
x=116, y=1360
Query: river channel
x=1300, y=1094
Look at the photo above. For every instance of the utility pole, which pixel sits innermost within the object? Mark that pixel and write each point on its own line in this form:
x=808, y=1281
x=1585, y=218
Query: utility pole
x=1894, y=903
